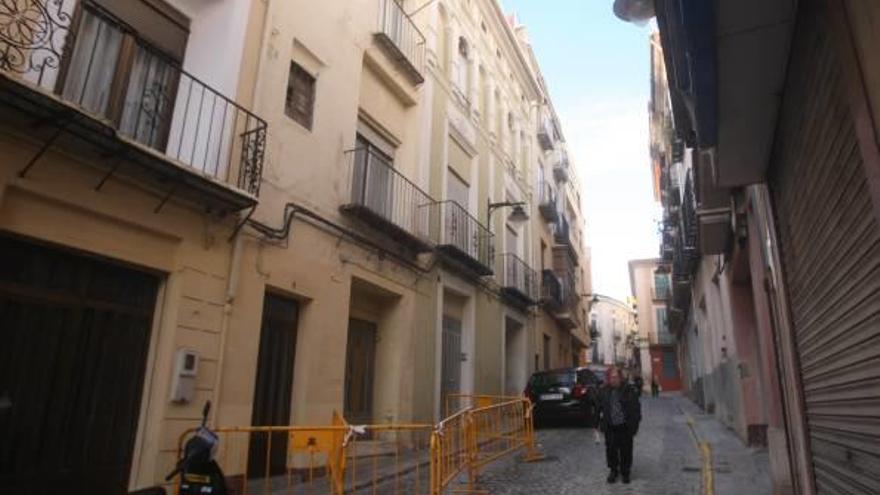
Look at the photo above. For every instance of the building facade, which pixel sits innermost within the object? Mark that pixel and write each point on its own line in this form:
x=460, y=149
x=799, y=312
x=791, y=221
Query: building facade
x=324, y=219
x=779, y=191
x=657, y=355
x=616, y=333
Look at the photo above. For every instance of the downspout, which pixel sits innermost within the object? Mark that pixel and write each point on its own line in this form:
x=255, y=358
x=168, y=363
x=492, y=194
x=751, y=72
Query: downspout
x=237, y=246
x=228, y=302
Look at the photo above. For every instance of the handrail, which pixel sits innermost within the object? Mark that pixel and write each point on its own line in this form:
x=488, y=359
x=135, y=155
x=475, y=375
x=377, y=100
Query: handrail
x=518, y=275
x=156, y=102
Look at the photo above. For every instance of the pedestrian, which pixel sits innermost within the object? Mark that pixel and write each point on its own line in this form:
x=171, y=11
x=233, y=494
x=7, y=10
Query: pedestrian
x=655, y=387
x=619, y=415
x=639, y=383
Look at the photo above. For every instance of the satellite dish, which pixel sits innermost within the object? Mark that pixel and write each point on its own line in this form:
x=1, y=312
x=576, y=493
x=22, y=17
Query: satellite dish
x=635, y=11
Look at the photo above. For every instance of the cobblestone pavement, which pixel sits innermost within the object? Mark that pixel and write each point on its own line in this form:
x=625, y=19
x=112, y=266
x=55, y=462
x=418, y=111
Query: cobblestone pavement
x=666, y=459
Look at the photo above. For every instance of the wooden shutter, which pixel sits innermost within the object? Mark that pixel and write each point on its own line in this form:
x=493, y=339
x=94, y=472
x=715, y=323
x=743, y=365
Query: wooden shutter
x=830, y=245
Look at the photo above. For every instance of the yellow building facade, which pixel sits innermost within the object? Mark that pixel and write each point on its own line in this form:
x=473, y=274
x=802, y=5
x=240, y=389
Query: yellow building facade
x=326, y=218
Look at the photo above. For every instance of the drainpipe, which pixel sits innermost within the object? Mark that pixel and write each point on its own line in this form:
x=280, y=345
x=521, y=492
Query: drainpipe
x=228, y=301
x=238, y=241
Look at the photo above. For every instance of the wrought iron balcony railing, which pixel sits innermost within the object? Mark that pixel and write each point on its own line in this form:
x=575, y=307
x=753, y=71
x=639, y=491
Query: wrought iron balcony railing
x=561, y=171
x=562, y=231
x=399, y=35
x=546, y=136
x=519, y=280
x=547, y=201
x=94, y=61
x=463, y=238
x=385, y=198
x=551, y=290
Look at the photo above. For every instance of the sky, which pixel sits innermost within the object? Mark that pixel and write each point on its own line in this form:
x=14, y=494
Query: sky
x=597, y=69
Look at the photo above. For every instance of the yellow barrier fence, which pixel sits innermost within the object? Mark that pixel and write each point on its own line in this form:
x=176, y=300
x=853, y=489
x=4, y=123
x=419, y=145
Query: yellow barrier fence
x=459, y=402
x=389, y=459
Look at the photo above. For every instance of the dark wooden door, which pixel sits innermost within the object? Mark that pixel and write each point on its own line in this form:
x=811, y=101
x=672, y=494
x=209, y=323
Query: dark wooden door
x=360, y=364
x=274, y=384
x=74, y=338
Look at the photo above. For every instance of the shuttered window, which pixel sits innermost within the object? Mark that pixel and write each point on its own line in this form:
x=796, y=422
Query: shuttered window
x=300, y=103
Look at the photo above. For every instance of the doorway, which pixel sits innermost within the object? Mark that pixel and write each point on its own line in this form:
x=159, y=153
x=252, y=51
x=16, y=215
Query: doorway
x=75, y=333
x=452, y=357
x=360, y=369
x=274, y=384
x=514, y=357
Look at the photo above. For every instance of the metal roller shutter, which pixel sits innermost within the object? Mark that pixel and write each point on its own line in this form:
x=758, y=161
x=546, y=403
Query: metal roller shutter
x=830, y=243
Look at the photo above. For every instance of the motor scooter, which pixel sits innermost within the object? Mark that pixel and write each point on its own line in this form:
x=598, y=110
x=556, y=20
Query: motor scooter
x=198, y=472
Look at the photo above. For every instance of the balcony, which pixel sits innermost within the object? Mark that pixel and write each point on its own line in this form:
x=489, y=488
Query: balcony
x=127, y=101
x=563, y=239
x=401, y=39
x=659, y=294
x=546, y=136
x=566, y=314
x=547, y=202
x=382, y=197
x=519, y=281
x=561, y=167
x=462, y=239
x=551, y=291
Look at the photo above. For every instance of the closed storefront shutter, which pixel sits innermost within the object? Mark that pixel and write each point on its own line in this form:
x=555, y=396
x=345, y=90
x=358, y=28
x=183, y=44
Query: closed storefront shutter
x=830, y=244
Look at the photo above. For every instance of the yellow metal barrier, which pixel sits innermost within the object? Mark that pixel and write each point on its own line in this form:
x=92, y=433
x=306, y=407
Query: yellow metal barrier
x=394, y=458
x=450, y=452
x=459, y=402
x=335, y=459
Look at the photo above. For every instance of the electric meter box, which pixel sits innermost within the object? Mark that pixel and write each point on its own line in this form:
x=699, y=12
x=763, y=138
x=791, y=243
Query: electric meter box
x=183, y=383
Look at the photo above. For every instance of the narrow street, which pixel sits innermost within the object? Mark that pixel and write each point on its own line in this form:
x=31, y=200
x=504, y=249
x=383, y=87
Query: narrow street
x=666, y=459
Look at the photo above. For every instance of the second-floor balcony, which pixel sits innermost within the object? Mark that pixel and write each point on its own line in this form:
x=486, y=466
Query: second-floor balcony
x=384, y=198
x=562, y=236
x=518, y=282
x=547, y=201
x=398, y=34
x=76, y=69
x=560, y=297
x=546, y=136
x=462, y=239
x=561, y=166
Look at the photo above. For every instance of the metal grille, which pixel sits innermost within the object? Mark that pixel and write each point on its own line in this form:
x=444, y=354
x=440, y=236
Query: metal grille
x=830, y=244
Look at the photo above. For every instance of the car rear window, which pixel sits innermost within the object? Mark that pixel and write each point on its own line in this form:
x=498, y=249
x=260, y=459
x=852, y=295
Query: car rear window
x=554, y=378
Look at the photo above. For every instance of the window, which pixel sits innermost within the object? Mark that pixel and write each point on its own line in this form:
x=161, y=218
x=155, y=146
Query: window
x=457, y=190
x=661, y=285
x=135, y=85
x=300, y=102
x=662, y=327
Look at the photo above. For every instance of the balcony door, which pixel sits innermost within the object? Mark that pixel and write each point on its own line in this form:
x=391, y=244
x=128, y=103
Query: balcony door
x=456, y=217
x=373, y=174
x=112, y=71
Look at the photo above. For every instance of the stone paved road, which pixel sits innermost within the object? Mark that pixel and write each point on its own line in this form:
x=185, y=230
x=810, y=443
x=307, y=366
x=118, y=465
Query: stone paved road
x=666, y=460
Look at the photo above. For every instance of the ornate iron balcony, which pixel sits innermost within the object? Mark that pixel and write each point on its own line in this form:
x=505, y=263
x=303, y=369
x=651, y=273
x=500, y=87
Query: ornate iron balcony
x=118, y=91
x=398, y=34
x=547, y=202
x=519, y=281
x=463, y=238
x=385, y=198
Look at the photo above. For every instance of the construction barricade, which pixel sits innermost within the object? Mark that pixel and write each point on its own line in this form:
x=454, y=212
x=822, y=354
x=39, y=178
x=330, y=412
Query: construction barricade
x=341, y=458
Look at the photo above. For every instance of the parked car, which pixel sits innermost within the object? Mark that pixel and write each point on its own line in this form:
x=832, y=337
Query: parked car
x=563, y=394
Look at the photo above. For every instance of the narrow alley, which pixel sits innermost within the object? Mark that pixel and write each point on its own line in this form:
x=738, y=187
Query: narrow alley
x=667, y=460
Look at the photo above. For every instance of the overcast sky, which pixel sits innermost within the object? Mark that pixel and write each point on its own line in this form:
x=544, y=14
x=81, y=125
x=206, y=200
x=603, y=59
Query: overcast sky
x=597, y=69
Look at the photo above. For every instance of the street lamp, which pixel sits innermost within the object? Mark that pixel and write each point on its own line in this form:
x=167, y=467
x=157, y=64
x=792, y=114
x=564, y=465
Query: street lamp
x=517, y=216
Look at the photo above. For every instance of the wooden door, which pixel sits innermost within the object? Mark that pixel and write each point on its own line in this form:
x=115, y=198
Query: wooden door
x=360, y=364
x=451, y=364
x=273, y=386
x=74, y=338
